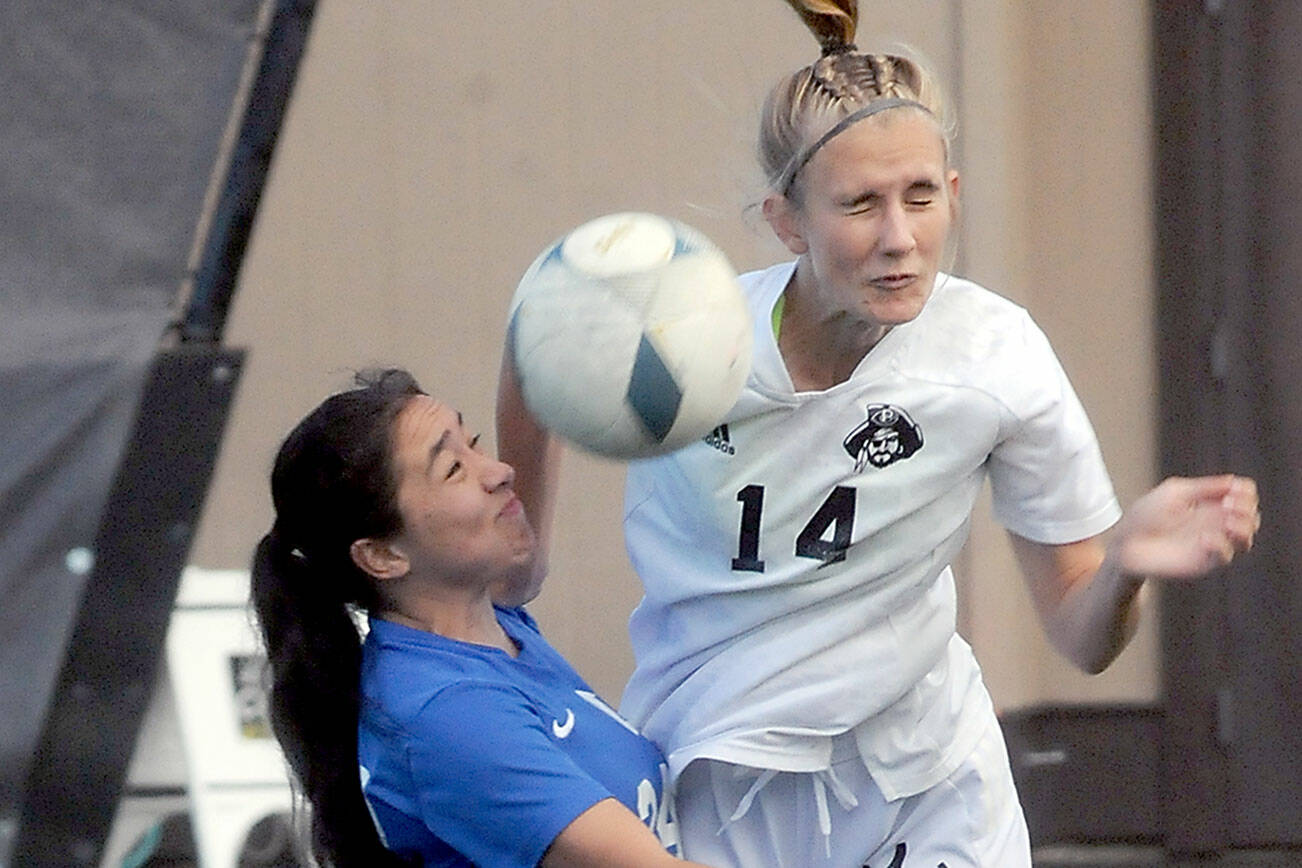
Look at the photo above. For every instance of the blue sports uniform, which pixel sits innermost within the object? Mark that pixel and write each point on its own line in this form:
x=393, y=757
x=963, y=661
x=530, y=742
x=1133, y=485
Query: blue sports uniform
x=471, y=756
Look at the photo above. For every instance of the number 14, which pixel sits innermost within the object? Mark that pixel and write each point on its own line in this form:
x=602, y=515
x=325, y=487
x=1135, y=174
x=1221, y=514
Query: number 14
x=836, y=513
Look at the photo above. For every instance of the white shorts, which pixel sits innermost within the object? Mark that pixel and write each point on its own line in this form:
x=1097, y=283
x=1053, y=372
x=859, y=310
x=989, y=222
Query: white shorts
x=731, y=815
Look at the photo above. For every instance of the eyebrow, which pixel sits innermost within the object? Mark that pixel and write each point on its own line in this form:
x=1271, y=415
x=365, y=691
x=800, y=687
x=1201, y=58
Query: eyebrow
x=861, y=198
x=440, y=445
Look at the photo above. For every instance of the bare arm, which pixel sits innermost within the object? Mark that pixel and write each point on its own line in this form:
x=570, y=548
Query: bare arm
x=1087, y=594
x=1088, y=607
x=536, y=456
x=608, y=835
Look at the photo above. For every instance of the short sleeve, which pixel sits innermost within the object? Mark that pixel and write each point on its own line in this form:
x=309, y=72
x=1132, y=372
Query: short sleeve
x=491, y=781
x=1047, y=476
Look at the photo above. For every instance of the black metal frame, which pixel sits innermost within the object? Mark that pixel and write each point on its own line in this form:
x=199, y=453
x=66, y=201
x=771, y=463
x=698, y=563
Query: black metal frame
x=104, y=687
x=109, y=668
x=233, y=215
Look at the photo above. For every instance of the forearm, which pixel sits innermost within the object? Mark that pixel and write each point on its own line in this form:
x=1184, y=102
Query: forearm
x=608, y=835
x=535, y=454
x=1089, y=606
x=1181, y=530
x=1099, y=617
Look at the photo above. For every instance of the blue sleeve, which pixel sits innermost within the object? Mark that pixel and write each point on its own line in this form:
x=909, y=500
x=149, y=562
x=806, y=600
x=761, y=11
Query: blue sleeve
x=492, y=782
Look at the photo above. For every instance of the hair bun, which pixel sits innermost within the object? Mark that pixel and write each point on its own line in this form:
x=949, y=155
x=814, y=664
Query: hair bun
x=833, y=22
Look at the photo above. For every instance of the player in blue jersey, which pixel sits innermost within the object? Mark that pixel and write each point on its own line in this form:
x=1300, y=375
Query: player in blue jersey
x=454, y=735
x=797, y=659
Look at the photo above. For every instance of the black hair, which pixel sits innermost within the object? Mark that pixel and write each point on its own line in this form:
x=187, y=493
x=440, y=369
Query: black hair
x=333, y=483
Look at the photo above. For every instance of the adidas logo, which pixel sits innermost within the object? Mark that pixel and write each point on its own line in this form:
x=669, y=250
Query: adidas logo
x=718, y=438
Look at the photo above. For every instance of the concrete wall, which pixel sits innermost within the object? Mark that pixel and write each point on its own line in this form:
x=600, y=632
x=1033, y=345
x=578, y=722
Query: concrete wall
x=433, y=147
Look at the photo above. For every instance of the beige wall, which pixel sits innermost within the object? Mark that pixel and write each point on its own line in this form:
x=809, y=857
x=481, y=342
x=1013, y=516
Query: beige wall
x=429, y=155
x=1057, y=216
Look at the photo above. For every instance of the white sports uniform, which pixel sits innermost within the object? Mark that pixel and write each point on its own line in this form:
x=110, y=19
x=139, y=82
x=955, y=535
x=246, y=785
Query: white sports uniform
x=796, y=561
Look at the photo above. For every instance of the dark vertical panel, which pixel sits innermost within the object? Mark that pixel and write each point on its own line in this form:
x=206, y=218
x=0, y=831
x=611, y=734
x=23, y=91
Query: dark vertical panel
x=1189, y=288
x=1266, y=608
x=1228, y=81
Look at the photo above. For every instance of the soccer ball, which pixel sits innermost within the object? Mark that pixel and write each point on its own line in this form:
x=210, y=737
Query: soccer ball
x=630, y=336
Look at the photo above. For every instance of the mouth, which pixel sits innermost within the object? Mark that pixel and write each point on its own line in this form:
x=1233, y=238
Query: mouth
x=512, y=508
x=894, y=281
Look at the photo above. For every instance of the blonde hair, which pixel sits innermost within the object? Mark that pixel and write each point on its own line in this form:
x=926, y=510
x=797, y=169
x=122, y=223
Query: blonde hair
x=809, y=102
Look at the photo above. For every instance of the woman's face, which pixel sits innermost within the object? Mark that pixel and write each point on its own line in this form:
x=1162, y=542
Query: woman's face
x=461, y=519
x=874, y=210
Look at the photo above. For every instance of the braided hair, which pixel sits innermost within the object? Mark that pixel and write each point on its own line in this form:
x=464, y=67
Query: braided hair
x=332, y=483
x=809, y=102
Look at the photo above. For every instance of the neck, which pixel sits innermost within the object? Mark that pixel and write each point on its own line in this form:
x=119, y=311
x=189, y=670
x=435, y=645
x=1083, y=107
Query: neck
x=821, y=348
x=465, y=617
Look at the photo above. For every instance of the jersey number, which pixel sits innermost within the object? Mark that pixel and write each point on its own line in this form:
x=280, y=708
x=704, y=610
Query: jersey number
x=658, y=813
x=835, y=515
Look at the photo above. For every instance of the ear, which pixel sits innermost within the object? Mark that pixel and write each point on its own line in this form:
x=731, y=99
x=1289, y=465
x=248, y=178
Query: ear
x=953, y=193
x=783, y=218
x=379, y=558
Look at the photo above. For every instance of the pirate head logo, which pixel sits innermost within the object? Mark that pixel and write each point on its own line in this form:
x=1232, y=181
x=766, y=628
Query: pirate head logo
x=888, y=435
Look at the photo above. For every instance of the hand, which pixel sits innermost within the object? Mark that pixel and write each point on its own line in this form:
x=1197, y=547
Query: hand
x=1184, y=528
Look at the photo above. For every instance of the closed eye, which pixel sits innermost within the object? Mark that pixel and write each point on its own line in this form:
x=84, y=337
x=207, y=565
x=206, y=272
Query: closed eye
x=473, y=443
x=860, y=204
x=921, y=194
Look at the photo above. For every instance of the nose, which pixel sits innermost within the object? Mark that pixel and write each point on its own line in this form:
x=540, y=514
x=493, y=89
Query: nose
x=496, y=474
x=896, y=231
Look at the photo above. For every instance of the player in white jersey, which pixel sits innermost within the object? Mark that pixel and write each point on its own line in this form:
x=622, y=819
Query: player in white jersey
x=808, y=584
x=797, y=660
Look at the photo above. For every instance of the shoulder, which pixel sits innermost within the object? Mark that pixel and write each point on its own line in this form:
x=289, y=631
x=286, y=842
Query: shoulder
x=404, y=671
x=969, y=335
x=763, y=286
x=961, y=308
x=778, y=273
x=762, y=290
x=445, y=712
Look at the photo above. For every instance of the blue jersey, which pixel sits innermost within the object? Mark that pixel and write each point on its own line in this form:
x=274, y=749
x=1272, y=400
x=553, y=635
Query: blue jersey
x=471, y=756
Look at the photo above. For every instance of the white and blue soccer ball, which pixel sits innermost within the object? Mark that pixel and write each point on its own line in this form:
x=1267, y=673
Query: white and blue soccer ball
x=630, y=335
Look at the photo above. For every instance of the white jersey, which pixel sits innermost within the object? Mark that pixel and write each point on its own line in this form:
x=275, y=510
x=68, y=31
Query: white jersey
x=796, y=561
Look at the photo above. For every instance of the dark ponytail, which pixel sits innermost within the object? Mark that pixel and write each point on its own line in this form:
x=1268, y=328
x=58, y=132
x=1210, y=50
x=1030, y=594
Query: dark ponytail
x=332, y=484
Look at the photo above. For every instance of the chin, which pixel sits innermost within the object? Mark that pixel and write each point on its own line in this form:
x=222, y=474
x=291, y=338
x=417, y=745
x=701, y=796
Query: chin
x=898, y=311
x=521, y=585
x=896, y=314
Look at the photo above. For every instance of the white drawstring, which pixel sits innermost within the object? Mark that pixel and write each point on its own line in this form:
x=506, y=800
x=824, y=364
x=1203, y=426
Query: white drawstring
x=824, y=815
x=844, y=795
x=744, y=805
x=823, y=780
